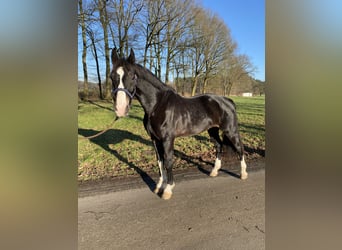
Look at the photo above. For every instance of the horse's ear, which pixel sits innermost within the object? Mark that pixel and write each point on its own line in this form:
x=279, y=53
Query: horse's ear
x=115, y=57
x=131, y=57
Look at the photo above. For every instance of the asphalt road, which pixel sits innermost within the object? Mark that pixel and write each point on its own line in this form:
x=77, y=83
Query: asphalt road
x=204, y=213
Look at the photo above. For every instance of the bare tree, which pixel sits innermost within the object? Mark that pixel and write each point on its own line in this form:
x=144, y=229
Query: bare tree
x=93, y=43
x=102, y=7
x=198, y=46
x=81, y=20
x=175, y=35
x=157, y=47
x=123, y=15
x=218, y=44
x=153, y=23
x=236, y=67
x=179, y=16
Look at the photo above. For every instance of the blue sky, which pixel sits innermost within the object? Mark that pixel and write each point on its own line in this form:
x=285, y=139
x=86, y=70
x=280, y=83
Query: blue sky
x=246, y=20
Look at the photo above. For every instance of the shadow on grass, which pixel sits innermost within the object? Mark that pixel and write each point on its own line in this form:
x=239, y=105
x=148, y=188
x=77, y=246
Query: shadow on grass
x=249, y=150
x=101, y=106
x=112, y=109
x=135, y=117
x=229, y=157
x=247, y=127
x=258, y=151
x=201, y=138
x=200, y=167
x=114, y=136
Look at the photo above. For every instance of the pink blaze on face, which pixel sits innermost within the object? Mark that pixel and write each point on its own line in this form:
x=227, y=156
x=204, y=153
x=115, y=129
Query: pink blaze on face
x=122, y=102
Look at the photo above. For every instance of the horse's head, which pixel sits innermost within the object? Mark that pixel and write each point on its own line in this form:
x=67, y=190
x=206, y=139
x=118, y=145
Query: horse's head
x=124, y=82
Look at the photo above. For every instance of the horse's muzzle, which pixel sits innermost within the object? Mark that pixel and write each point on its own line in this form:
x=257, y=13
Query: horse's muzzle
x=121, y=104
x=121, y=111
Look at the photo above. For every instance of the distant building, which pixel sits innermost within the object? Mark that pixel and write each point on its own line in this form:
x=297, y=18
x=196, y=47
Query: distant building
x=247, y=94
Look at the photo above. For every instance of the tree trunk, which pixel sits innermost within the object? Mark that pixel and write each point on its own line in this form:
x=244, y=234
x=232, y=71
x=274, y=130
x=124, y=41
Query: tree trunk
x=145, y=55
x=84, y=52
x=119, y=34
x=225, y=89
x=194, y=87
x=168, y=44
x=112, y=35
x=167, y=72
x=158, y=60
x=151, y=59
x=176, y=81
x=92, y=38
x=97, y=68
x=229, y=87
x=104, y=23
x=98, y=72
x=205, y=83
x=126, y=41
x=183, y=65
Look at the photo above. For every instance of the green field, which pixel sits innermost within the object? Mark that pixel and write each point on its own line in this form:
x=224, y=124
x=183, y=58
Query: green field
x=126, y=148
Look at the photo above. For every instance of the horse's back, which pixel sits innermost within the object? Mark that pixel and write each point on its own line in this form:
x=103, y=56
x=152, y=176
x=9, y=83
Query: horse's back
x=224, y=103
x=200, y=105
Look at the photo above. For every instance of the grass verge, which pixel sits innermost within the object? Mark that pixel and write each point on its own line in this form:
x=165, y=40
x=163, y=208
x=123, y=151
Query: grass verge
x=126, y=148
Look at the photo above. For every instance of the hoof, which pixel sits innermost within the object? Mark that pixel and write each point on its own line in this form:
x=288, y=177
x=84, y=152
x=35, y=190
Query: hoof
x=156, y=190
x=166, y=196
x=244, y=176
x=213, y=173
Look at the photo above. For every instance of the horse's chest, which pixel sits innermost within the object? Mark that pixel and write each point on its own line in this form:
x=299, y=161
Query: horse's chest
x=153, y=127
x=160, y=125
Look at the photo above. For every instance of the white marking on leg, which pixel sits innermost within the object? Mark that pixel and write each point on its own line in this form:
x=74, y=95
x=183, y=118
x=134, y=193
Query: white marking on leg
x=161, y=178
x=168, y=191
x=121, y=99
x=217, y=166
x=169, y=188
x=244, y=173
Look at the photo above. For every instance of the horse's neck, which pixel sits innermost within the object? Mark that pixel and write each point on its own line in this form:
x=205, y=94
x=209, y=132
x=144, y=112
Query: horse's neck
x=149, y=89
x=148, y=93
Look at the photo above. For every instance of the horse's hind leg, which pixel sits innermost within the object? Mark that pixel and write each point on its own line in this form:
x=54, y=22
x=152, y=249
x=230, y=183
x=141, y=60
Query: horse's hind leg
x=215, y=137
x=234, y=137
x=244, y=173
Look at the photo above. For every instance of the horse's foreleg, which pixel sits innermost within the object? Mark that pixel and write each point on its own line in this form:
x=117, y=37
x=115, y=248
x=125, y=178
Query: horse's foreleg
x=168, y=162
x=160, y=157
x=161, y=178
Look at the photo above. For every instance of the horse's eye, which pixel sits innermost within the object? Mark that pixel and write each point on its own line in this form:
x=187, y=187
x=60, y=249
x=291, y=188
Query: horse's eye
x=131, y=75
x=115, y=78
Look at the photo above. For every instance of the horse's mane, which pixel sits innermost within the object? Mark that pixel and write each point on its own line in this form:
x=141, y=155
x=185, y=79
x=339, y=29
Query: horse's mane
x=148, y=76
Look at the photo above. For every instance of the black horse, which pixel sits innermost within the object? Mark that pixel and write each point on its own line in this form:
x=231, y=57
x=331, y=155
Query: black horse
x=169, y=115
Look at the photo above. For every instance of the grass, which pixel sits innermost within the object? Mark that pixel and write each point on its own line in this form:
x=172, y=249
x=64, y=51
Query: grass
x=126, y=148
